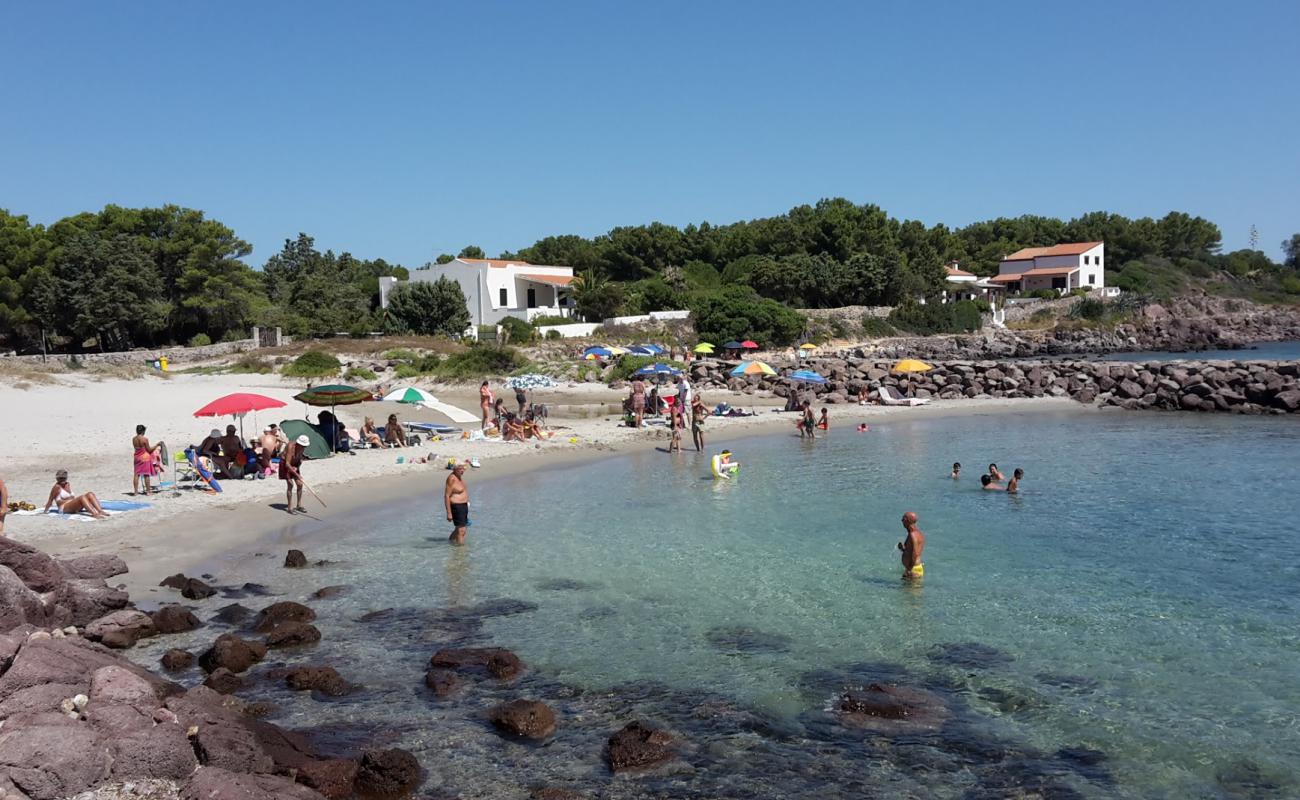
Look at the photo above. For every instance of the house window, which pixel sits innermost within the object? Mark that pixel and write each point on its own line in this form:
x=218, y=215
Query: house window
x=532, y=298
x=504, y=297
x=1092, y=279
x=1060, y=283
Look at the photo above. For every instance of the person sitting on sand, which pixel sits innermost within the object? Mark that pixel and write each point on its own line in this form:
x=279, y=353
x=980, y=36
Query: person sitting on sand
x=995, y=473
x=956, y=470
x=269, y=447
x=499, y=414
x=211, y=445
x=370, y=433
x=143, y=461
x=532, y=427
x=394, y=433
x=987, y=482
x=231, y=448
x=825, y=422
x=912, y=547
x=68, y=502
x=280, y=435
x=1014, y=485
x=516, y=430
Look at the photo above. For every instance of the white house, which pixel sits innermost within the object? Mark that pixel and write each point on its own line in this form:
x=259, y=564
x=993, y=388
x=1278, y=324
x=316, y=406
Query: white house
x=496, y=288
x=962, y=285
x=1062, y=267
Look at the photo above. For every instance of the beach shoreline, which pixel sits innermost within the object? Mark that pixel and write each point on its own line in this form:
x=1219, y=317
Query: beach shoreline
x=218, y=538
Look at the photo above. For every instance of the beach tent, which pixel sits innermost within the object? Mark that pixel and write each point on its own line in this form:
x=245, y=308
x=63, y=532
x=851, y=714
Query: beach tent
x=293, y=428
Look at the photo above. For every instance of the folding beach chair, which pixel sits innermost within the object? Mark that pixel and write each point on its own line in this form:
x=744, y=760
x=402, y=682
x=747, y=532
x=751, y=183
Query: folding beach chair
x=182, y=470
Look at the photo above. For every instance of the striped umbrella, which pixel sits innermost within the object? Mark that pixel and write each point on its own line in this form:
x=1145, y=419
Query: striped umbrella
x=334, y=394
x=409, y=394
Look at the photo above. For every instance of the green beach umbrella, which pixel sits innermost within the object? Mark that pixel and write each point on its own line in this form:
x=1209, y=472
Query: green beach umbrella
x=334, y=394
x=409, y=394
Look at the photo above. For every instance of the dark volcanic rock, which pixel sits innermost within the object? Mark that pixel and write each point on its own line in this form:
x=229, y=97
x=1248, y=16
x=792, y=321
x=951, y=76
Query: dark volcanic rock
x=332, y=777
x=195, y=589
x=892, y=709
x=121, y=629
x=495, y=661
x=223, y=681
x=969, y=655
x=174, y=619
x=233, y=614
x=85, y=600
x=330, y=592
x=284, y=611
x=176, y=581
x=443, y=682
x=554, y=793
x=388, y=773
x=211, y=783
x=50, y=756
x=161, y=751
x=325, y=680
x=175, y=660
x=19, y=605
x=71, y=661
x=233, y=653
x=742, y=639
x=526, y=719
x=292, y=634
x=100, y=566
x=118, y=685
x=639, y=746
x=295, y=559
x=37, y=570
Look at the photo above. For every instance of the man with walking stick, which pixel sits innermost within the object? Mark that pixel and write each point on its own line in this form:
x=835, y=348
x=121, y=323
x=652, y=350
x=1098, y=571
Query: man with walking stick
x=290, y=464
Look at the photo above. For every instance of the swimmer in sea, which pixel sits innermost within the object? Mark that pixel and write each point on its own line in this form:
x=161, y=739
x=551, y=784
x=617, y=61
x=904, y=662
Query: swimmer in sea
x=995, y=473
x=1014, y=485
x=986, y=481
x=912, y=546
x=863, y=427
x=956, y=470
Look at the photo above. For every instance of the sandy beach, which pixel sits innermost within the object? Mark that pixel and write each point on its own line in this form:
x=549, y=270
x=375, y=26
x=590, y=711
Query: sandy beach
x=85, y=425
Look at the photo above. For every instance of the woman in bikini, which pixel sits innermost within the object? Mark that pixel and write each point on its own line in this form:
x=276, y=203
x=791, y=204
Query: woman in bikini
x=370, y=433
x=143, y=459
x=63, y=498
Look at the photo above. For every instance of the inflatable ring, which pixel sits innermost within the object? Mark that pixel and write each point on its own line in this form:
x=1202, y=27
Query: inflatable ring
x=721, y=470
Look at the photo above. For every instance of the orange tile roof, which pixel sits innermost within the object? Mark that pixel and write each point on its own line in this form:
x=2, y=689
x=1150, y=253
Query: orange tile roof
x=1008, y=277
x=495, y=263
x=954, y=272
x=1072, y=249
x=1041, y=272
x=553, y=280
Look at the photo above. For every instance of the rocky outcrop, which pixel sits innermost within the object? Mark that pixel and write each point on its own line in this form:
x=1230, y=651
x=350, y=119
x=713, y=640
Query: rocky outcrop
x=214, y=783
x=639, y=746
x=295, y=559
x=277, y=613
x=388, y=773
x=523, y=719
x=121, y=629
x=233, y=653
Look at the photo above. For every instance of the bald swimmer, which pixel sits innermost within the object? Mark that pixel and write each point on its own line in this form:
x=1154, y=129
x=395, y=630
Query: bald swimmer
x=912, y=546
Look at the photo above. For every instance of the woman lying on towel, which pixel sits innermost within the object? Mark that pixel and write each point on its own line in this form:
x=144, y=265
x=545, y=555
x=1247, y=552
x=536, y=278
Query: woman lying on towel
x=63, y=498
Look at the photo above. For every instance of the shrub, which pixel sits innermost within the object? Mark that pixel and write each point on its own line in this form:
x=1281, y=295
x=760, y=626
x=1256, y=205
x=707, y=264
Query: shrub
x=934, y=318
x=406, y=371
x=625, y=366
x=1042, y=294
x=359, y=374
x=401, y=354
x=737, y=312
x=1088, y=308
x=553, y=335
x=551, y=319
x=1291, y=285
x=840, y=328
x=875, y=327
x=517, y=330
x=251, y=364
x=312, y=364
x=427, y=308
x=1081, y=291
x=200, y=340
x=481, y=361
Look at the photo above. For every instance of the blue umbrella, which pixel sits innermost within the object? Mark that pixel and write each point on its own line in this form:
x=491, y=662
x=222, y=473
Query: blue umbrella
x=653, y=349
x=642, y=350
x=806, y=376
x=657, y=369
x=731, y=346
x=602, y=352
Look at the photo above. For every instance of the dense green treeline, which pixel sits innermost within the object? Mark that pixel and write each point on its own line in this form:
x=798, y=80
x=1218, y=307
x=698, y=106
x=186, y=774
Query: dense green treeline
x=121, y=278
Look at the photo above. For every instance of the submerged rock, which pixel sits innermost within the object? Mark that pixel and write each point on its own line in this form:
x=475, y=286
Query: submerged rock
x=233, y=614
x=891, y=709
x=195, y=589
x=175, y=660
x=330, y=592
x=743, y=639
x=284, y=611
x=388, y=773
x=443, y=682
x=638, y=746
x=325, y=680
x=233, y=653
x=525, y=719
x=495, y=661
x=969, y=655
x=566, y=585
x=292, y=634
x=174, y=619
x=224, y=681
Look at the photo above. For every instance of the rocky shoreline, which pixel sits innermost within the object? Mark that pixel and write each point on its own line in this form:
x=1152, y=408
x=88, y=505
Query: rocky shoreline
x=1240, y=387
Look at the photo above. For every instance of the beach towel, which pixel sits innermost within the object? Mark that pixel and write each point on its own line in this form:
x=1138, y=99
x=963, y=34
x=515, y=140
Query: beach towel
x=111, y=507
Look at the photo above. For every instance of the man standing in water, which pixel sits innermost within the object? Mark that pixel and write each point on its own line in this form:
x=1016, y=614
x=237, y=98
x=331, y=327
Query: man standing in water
x=456, y=498
x=912, y=546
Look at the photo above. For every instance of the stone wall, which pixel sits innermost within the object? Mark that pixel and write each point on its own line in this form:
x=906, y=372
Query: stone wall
x=1024, y=309
x=851, y=313
x=1244, y=387
x=174, y=355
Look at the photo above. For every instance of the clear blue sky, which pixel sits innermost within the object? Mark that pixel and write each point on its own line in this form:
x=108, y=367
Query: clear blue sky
x=401, y=130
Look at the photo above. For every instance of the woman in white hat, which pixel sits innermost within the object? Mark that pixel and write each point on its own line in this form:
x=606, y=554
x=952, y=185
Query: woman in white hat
x=290, y=464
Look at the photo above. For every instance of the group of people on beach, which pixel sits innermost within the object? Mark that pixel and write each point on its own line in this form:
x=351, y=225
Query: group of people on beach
x=526, y=421
x=683, y=405
x=992, y=481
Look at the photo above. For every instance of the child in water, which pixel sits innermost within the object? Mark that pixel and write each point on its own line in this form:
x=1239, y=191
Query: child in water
x=1014, y=486
x=825, y=422
x=956, y=470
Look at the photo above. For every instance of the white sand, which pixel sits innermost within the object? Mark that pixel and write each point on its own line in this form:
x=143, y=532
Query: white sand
x=85, y=426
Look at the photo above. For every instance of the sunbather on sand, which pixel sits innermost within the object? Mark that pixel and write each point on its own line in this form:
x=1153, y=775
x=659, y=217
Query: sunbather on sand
x=270, y=444
x=394, y=433
x=63, y=498
x=370, y=434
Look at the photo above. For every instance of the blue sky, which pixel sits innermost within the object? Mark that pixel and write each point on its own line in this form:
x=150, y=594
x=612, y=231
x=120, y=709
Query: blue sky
x=401, y=130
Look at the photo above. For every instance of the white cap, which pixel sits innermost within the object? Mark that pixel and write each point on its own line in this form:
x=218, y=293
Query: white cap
x=216, y=434
x=303, y=440
x=266, y=429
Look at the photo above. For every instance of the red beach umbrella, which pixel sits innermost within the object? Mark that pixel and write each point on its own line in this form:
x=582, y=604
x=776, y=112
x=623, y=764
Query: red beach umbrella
x=237, y=405
x=749, y=345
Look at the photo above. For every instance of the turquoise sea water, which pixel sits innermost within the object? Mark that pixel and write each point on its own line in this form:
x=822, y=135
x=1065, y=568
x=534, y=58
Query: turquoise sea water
x=1126, y=627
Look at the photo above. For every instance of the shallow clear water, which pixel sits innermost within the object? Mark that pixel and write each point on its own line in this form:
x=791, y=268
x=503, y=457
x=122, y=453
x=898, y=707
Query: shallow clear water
x=1264, y=351
x=1126, y=627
